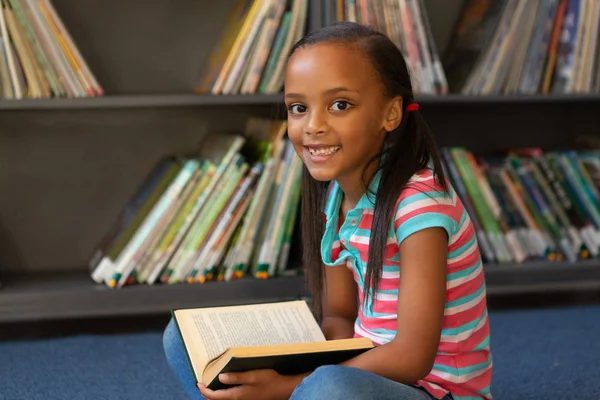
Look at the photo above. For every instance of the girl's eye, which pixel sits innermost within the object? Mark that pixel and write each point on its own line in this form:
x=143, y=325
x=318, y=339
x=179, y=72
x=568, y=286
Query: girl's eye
x=297, y=109
x=341, y=105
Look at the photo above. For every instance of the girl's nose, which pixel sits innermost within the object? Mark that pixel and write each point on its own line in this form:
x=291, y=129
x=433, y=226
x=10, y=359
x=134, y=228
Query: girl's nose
x=316, y=123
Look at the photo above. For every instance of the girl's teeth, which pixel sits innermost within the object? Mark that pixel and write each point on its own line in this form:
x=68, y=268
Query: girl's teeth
x=324, y=152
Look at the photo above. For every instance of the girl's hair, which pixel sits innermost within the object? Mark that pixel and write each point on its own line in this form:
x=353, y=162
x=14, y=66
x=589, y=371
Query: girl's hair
x=409, y=148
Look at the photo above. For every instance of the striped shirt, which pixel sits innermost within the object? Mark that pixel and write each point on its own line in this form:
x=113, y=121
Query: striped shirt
x=463, y=364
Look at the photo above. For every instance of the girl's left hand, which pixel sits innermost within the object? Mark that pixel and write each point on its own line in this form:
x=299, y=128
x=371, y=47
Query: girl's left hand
x=264, y=384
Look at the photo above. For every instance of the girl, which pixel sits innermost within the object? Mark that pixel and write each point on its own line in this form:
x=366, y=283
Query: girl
x=391, y=253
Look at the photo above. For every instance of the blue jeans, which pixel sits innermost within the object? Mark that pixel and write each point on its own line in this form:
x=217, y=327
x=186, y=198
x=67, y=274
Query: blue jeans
x=331, y=382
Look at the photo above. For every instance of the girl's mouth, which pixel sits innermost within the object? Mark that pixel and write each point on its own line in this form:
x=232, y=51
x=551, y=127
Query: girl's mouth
x=322, y=150
x=318, y=154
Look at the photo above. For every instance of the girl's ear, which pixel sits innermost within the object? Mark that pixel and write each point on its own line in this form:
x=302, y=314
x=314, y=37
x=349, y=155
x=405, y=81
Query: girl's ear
x=393, y=115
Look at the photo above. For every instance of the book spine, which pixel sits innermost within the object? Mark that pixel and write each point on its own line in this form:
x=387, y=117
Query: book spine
x=568, y=238
x=582, y=198
x=490, y=200
x=182, y=234
x=10, y=56
x=146, y=263
x=505, y=217
x=171, y=240
x=183, y=259
x=511, y=182
x=459, y=185
x=227, y=237
x=566, y=48
x=199, y=271
x=537, y=206
x=482, y=209
x=126, y=261
x=107, y=266
x=264, y=261
x=574, y=207
x=276, y=51
x=292, y=214
x=127, y=215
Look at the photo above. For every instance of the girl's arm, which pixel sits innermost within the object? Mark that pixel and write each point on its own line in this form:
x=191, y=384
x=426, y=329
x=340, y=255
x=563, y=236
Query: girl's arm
x=340, y=303
x=409, y=357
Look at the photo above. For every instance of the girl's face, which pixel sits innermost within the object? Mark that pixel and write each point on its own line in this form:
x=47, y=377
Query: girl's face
x=338, y=114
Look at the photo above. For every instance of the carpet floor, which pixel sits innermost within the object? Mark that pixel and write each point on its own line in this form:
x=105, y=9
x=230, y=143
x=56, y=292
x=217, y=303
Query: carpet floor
x=538, y=354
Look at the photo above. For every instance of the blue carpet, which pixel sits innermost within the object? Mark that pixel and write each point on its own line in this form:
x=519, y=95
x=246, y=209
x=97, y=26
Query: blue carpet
x=538, y=354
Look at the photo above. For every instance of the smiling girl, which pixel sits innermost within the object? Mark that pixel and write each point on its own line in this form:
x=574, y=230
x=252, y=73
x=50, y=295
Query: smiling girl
x=391, y=252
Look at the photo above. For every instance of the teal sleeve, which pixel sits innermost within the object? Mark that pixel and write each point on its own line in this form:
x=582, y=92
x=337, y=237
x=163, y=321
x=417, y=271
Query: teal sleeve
x=423, y=221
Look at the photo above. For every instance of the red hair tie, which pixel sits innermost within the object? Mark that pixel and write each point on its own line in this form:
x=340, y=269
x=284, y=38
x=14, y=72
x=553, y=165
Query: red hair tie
x=412, y=107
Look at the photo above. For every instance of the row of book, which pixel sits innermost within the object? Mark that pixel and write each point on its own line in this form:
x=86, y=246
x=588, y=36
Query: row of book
x=529, y=204
x=38, y=57
x=406, y=23
x=251, y=54
x=223, y=213
x=525, y=47
x=497, y=47
x=233, y=214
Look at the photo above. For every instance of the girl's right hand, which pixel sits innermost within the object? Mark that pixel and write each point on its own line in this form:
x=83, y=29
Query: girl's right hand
x=264, y=384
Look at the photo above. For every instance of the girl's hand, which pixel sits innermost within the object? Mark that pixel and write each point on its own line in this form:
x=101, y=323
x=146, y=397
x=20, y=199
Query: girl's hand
x=263, y=384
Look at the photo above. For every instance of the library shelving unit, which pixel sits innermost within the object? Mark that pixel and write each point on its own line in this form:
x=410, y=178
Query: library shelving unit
x=67, y=166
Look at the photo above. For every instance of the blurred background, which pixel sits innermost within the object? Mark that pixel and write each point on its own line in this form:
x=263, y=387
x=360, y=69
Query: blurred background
x=144, y=167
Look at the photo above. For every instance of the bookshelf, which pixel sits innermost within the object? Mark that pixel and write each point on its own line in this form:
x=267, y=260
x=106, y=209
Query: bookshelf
x=67, y=166
x=71, y=294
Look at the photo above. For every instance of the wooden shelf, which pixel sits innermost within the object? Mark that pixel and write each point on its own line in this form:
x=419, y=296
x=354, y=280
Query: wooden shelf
x=542, y=277
x=68, y=295
x=140, y=101
x=193, y=100
x=518, y=99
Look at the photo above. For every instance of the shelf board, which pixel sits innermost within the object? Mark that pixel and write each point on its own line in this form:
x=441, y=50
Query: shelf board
x=517, y=99
x=194, y=100
x=542, y=277
x=140, y=101
x=69, y=295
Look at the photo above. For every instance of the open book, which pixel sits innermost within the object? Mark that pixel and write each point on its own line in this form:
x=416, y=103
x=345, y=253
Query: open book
x=283, y=336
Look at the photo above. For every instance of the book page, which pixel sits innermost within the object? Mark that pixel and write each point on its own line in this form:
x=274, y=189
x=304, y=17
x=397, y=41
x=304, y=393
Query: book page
x=208, y=332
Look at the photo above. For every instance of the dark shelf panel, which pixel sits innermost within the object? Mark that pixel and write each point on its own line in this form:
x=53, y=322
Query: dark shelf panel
x=73, y=295
x=68, y=295
x=140, y=101
x=542, y=277
x=509, y=99
x=190, y=100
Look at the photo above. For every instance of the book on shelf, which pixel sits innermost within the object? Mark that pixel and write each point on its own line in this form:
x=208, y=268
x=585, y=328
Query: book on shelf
x=38, y=57
x=225, y=212
x=283, y=336
x=251, y=53
x=406, y=23
x=527, y=204
x=525, y=47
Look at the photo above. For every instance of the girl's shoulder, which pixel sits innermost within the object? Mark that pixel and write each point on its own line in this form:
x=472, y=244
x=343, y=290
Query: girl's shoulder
x=425, y=183
x=425, y=202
